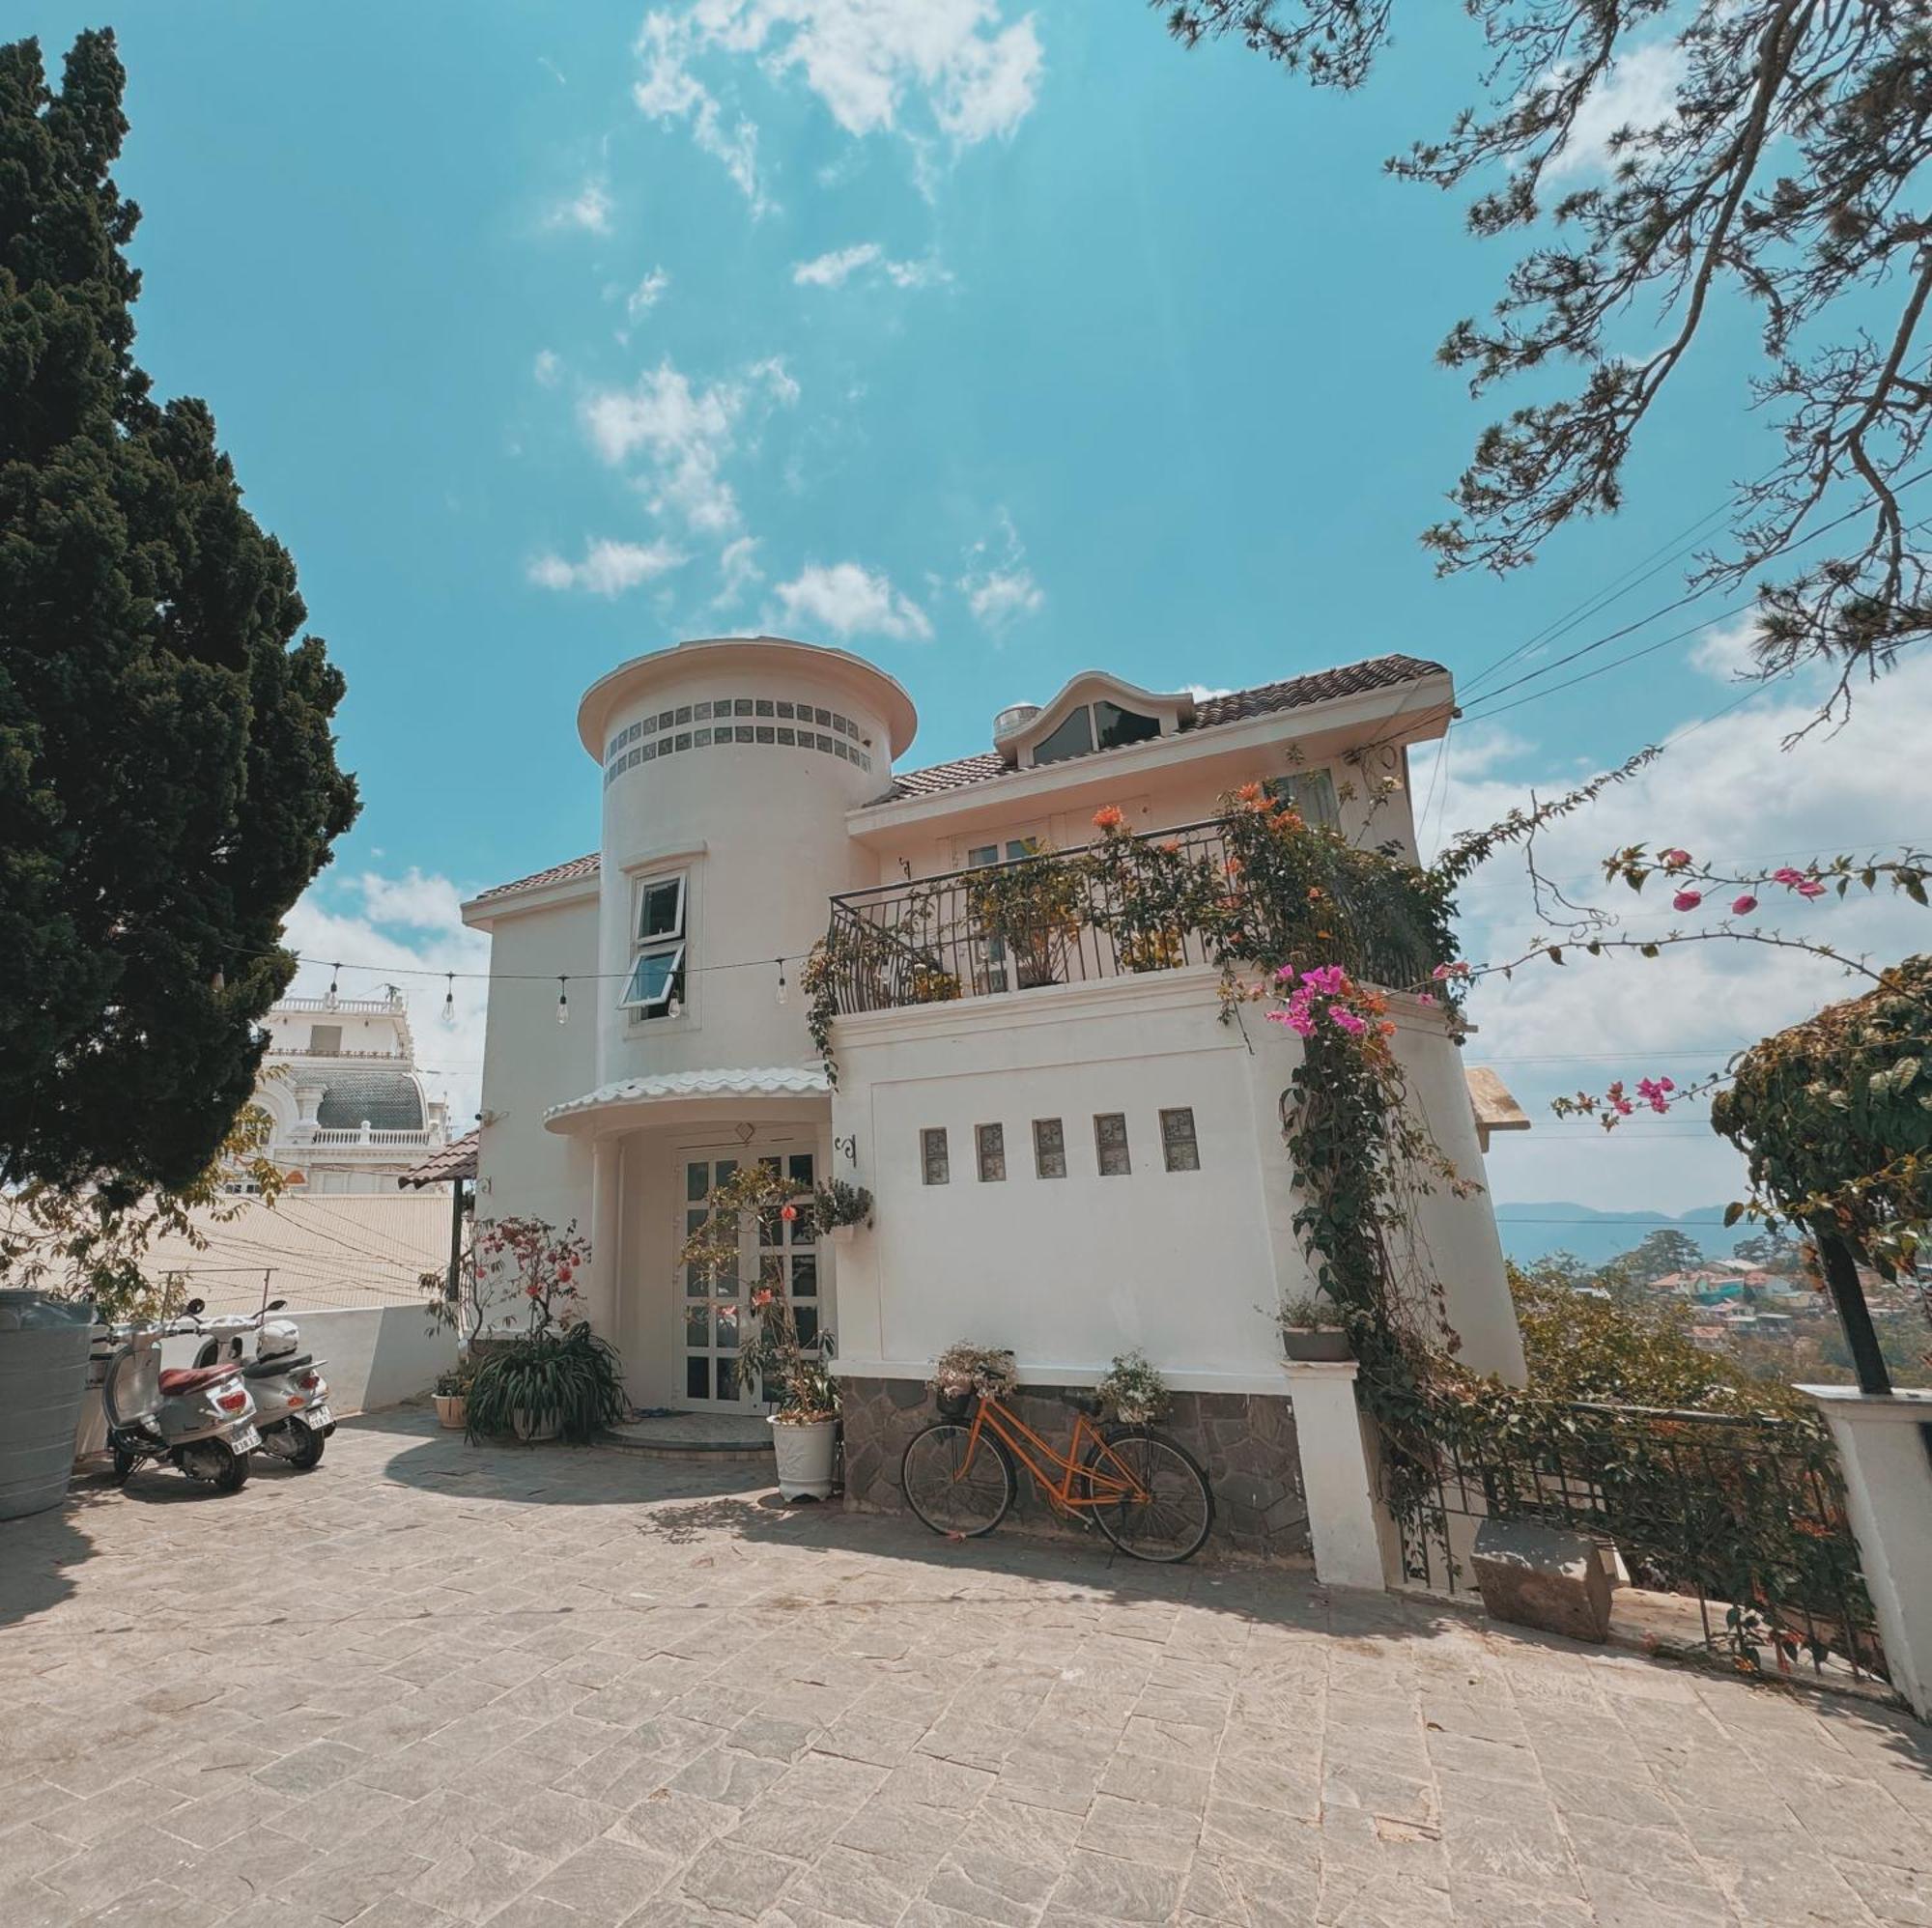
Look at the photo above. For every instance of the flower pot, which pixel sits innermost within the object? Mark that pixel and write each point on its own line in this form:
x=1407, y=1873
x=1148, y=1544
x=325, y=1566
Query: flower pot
x=451, y=1408
x=953, y=1405
x=530, y=1430
x=804, y=1455
x=840, y=1235
x=1314, y=1345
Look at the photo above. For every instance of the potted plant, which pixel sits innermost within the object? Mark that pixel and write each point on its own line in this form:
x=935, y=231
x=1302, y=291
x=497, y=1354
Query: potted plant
x=797, y=1377
x=1132, y=1391
x=965, y=1372
x=841, y=1209
x=452, y=1393
x=554, y=1378
x=1312, y=1330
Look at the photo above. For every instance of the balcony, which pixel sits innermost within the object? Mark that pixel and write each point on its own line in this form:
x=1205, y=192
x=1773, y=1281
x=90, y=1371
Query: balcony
x=1225, y=892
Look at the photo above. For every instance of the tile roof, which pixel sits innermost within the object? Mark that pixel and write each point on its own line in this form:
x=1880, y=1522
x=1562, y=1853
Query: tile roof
x=1322, y=686
x=558, y=873
x=455, y=1160
x=782, y=1081
x=1294, y=692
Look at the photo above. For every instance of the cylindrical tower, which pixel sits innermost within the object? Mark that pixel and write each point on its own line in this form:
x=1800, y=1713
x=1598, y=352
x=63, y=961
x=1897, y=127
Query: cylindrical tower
x=729, y=765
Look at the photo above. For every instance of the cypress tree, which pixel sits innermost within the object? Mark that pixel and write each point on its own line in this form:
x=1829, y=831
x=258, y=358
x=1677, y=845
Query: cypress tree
x=168, y=782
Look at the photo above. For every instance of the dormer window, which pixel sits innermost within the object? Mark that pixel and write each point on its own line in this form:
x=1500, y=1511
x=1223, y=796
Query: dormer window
x=1093, y=713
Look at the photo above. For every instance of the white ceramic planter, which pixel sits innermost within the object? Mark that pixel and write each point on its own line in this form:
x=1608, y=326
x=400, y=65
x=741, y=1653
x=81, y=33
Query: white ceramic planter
x=531, y=1431
x=840, y=1235
x=805, y=1457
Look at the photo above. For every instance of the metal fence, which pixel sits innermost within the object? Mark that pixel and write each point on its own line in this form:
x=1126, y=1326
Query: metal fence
x=1080, y=917
x=1746, y=1515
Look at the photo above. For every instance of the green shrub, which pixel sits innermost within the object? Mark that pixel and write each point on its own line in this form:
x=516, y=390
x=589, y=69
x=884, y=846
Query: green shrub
x=570, y=1379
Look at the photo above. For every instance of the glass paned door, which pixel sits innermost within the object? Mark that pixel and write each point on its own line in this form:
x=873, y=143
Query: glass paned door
x=714, y=1305
x=716, y=1301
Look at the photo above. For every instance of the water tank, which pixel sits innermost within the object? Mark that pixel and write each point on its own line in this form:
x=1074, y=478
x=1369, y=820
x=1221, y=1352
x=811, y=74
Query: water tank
x=43, y=1344
x=1014, y=717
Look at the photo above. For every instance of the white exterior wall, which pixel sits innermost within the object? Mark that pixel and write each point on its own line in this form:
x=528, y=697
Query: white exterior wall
x=530, y=1062
x=1188, y=1265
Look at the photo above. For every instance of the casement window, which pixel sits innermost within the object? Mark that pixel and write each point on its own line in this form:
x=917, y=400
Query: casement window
x=990, y=1143
x=1049, y=1148
x=1110, y=1144
x=1311, y=793
x=655, y=987
x=1178, y=1146
x=935, y=1164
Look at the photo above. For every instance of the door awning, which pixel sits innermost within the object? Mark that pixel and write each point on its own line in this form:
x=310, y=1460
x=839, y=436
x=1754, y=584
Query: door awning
x=784, y=1090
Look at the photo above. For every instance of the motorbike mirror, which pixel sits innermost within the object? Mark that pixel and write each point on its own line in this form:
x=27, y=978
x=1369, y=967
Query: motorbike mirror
x=276, y=1305
x=194, y=1308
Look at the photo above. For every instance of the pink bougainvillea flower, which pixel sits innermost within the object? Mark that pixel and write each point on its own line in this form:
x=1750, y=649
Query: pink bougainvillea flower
x=1745, y=905
x=1348, y=1020
x=788, y=1213
x=1676, y=859
x=1811, y=888
x=1687, y=900
x=1788, y=877
x=1427, y=998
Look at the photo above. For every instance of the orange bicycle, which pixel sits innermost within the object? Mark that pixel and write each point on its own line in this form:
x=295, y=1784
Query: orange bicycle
x=1145, y=1491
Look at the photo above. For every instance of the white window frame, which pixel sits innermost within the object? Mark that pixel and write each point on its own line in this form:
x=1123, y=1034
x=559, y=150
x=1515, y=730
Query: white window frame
x=674, y=945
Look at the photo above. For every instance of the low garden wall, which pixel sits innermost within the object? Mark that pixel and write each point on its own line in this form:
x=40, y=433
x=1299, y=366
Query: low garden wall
x=1245, y=1444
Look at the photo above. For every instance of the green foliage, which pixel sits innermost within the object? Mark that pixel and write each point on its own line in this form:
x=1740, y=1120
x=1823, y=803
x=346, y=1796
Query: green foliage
x=454, y=1381
x=1834, y=1118
x=837, y=1203
x=1132, y=1390
x=1589, y=1349
x=168, y=783
x=568, y=1378
x=93, y=1244
x=1659, y=1253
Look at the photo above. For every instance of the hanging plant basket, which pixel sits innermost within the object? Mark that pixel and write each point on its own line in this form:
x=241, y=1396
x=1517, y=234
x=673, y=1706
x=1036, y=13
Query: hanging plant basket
x=1315, y=1344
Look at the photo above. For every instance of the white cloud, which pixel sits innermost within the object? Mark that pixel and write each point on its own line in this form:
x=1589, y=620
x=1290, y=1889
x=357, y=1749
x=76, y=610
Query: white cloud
x=684, y=434
x=850, y=600
x=1639, y=92
x=589, y=209
x=1202, y=693
x=547, y=368
x=737, y=569
x=877, y=66
x=997, y=587
x=403, y=929
x=835, y=269
x=1728, y=794
x=608, y=569
x=647, y=294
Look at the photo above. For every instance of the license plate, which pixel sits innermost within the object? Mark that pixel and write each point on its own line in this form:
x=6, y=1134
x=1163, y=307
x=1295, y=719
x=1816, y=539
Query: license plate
x=319, y=1416
x=245, y=1441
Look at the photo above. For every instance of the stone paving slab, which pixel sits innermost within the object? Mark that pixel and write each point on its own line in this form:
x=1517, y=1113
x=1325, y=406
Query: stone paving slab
x=433, y=1687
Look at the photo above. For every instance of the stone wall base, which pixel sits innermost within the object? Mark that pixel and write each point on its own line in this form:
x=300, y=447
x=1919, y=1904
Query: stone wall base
x=1245, y=1444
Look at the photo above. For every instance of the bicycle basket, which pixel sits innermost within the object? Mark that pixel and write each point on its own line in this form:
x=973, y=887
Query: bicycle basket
x=953, y=1403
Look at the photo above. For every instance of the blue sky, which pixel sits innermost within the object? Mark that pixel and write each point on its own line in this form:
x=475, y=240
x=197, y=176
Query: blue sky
x=993, y=344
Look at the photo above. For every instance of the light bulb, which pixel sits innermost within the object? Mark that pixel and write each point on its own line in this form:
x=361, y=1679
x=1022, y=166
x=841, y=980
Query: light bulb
x=449, y=998
x=782, y=980
x=675, y=1008
x=562, y=1000
x=331, y=999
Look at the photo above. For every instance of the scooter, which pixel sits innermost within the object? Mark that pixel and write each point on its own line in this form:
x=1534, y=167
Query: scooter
x=200, y=1419
x=291, y=1396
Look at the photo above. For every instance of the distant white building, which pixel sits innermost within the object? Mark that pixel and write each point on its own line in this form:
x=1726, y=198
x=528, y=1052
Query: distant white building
x=341, y=1084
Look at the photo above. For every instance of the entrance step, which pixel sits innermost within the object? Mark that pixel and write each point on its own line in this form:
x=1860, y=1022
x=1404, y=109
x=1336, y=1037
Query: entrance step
x=731, y=1438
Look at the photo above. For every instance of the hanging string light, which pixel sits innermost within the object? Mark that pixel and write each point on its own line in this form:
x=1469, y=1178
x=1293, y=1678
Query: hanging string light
x=563, y=1000
x=782, y=980
x=334, y=996
x=449, y=998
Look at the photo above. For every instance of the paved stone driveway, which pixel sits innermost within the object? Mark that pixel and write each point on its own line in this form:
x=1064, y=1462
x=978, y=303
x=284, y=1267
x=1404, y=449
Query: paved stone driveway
x=429, y=1685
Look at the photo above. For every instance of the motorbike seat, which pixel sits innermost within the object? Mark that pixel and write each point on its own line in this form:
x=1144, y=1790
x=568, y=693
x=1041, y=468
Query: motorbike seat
x=270, y=1368
x=192, y=1379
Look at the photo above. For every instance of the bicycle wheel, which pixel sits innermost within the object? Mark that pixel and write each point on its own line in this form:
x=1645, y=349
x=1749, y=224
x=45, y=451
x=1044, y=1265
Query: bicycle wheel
x=1172, y=1521
x=956, y=1495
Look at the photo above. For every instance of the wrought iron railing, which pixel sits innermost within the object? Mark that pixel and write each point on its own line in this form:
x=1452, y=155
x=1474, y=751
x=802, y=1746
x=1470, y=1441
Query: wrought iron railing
x=1063, y=917
x=1744, y=1515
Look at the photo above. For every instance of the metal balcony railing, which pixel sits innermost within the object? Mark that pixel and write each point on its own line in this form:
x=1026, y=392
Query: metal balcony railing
x=1046, y=920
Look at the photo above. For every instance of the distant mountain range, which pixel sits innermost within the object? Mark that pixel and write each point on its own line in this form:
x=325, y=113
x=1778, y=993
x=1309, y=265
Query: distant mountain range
x=1529, y=1232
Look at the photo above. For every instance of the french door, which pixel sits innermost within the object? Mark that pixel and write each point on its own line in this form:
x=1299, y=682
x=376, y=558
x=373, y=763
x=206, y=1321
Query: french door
x=716, y=1301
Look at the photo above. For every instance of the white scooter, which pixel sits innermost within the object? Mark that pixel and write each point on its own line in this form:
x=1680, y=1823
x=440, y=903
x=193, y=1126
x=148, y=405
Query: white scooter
x=291, y=1396
x=200, y=1419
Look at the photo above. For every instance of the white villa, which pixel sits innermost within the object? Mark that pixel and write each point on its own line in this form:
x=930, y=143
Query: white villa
x=1070, y=1158
x=340, y=1081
